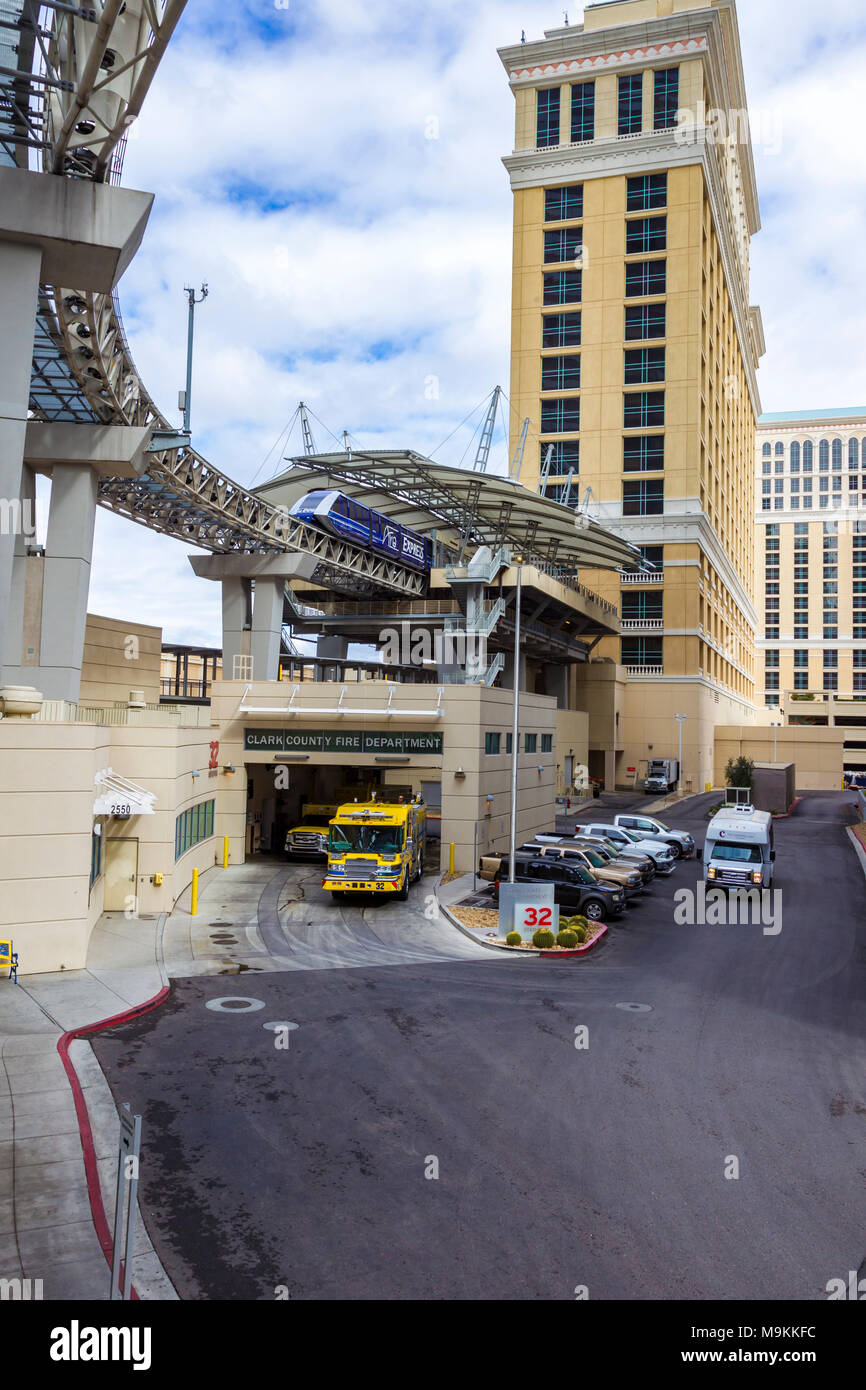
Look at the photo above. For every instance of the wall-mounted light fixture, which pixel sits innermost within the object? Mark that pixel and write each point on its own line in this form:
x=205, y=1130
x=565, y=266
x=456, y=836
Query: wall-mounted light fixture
x=460, y=774
x=229, y=770
x=195, y=772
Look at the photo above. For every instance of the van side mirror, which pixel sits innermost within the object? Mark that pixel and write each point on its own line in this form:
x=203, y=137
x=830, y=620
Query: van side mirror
x=772, y=856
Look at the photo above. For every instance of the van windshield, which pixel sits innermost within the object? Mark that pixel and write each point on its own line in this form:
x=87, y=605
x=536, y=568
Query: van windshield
x=372, y=839
x=738, y=854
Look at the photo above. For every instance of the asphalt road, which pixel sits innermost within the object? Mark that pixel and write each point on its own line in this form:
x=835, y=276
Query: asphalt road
x=304, y=1168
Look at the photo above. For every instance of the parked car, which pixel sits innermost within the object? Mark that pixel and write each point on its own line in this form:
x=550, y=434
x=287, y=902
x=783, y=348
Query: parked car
x=662, y=856
x=682, y=844
x=642, y=862
x=624, y=876
x=574, y=886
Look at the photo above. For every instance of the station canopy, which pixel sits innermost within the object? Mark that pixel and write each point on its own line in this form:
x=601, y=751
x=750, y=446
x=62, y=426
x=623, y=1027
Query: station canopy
x=459, y=506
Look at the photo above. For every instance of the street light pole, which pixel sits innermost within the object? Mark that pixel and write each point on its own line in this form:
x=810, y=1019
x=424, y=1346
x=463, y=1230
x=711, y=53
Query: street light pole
x=775, y=728
x=187, y=395
x=515, y=732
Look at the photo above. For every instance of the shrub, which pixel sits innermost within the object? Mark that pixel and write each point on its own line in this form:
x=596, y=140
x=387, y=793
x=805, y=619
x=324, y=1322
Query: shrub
x=574, y=924
x=543, y=939
x=740, y=772
x=513, y=938
x=568, y=939
x=581, y=936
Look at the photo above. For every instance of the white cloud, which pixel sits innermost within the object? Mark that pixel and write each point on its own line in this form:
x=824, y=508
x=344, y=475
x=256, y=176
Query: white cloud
x=350, y=258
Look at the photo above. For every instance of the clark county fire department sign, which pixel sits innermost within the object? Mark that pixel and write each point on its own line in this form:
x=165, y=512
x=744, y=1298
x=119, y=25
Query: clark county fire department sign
x=340, y=741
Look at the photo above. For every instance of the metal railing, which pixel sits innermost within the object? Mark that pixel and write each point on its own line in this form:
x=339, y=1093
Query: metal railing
x=642, y=624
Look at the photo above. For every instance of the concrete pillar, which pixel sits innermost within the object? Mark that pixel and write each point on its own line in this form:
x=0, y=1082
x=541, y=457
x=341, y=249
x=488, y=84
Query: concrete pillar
x=236, y=621
x=66, y=579
x=16, y=657
x=268, y=607
x=609, y=770
x=556, y=684
x=20, y=269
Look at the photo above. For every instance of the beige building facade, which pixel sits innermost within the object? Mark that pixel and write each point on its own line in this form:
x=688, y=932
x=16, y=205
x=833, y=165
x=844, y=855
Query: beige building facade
x=634, y=344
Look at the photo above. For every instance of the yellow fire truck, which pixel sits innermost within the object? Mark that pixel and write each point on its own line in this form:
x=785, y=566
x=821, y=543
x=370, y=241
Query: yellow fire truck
x=377, y=846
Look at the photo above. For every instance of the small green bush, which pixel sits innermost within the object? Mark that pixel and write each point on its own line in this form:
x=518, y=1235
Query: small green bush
x=543, y=939
x=568, y=939
x=513, y=938
x=581, y=936
x=574, y=924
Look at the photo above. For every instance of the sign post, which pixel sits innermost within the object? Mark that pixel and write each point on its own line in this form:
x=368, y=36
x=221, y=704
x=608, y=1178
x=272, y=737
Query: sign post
x=525, y=907
x=126, y=1194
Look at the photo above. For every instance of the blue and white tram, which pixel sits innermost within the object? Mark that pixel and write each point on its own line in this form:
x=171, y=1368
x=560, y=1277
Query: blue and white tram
x=335, y=512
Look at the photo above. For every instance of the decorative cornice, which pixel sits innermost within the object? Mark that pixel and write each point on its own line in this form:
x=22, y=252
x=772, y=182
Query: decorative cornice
x=625, y=57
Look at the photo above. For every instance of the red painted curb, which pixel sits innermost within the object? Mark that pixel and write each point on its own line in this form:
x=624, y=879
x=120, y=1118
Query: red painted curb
x=581, y=950
x=91, y=1170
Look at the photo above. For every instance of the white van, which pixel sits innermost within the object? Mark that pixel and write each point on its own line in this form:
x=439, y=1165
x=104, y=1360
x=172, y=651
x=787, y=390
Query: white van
x=738, y=850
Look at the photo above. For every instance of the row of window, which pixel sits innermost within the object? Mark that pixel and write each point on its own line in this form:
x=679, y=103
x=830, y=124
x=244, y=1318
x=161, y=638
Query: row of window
x=666, y=95
x=643, y=366
x=826, y=451
x=642, y=321
x=778, y=504
x=641, y=410
x=493, y=743
x=644, y=193
x=777, y=485
x=193, y=826
x=642, y=236
x=643, y=279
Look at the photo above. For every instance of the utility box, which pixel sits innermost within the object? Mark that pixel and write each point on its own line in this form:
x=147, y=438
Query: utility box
x=774, y=787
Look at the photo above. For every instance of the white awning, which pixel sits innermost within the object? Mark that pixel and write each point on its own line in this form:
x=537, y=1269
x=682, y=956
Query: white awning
x=117, y=796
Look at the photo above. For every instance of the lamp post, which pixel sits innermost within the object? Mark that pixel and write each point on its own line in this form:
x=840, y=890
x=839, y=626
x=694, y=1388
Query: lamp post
x=681, y=719
x=186, y=396
x=515, y=730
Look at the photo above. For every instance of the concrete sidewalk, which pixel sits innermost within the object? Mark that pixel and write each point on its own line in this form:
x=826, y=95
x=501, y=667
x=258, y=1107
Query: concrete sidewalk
x=47, y=1231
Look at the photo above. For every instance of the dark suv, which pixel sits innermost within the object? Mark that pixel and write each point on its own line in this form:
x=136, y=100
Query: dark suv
x=574, y=886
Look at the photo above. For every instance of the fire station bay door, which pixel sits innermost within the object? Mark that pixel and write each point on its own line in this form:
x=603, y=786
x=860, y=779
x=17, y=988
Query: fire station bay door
x=121, y=873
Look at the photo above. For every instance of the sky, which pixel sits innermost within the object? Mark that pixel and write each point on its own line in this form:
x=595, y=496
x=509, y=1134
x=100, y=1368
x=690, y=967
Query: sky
x=332, y=169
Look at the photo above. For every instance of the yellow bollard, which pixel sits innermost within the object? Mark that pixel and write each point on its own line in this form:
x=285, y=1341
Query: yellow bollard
x=451, y=858
x=225, y=851
x=194, y=906
x=708, y=786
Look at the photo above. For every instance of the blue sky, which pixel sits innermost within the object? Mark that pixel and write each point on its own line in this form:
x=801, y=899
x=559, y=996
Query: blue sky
x=333, y=171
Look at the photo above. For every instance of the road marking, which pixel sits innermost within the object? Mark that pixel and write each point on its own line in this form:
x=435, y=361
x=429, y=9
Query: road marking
x=636, y=1008
x=233, y=1004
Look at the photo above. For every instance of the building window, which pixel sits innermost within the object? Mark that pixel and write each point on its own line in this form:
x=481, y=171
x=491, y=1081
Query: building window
x=193, y=826
x=564, y=457
x=644, y=365
x=508, y=744
x=766, y=487
x=561, y=416
x=563, y=204
x=780, y=449
x=831, y=680
x=583, y=112
x=643, y=606
x=565, y=493
x=95, y=854
x=772, y=680
x=643, y=498
x=645, y=321
x=765, y=504
x=548, y=117
x=653, y=556
x=560, y=330
x=645, y=278
x=852, y=454
x=772, y=661
x=646, y=192
x=837, y=455
x=491, y=743
x=564, y=244
x=643, y=453
x=666, y=98
x=643, y=409
x=824, y=456
x=563, y=287
x=630, y=104
x=767, y=450
x=642, y=653
x=560, y=373
x=646, y=234
x=795, y=458
x=801, y=680
x=547, y=743
x=807, y=456
x=529, y=742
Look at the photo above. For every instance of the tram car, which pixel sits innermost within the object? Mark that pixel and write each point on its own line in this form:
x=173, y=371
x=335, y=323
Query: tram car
x=341, y=515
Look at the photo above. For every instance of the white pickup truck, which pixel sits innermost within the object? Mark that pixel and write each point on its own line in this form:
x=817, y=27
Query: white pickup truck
x=682, y=844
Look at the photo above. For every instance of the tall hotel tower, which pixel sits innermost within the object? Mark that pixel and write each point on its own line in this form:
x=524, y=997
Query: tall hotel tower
x=634, y=348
